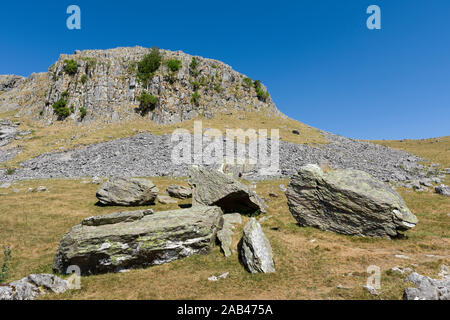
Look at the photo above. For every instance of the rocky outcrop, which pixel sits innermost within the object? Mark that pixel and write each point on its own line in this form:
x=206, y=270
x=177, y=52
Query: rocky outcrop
x=104, y=83
x=9, y=131
x=26, y=97
x=10, y=81
x=350, y=202
x=213, y=188
x=427, y=288
x=255, y=249
x=179, y=192
x=137, y=239
x=32, y=286
x=225, y=236
x=127, y=192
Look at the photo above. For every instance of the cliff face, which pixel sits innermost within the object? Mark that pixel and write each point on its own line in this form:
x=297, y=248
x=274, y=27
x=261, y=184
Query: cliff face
x=104, y=87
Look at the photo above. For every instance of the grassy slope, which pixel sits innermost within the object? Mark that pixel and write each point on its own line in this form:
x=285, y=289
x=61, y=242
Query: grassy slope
x=435, y=149
x=33, y=223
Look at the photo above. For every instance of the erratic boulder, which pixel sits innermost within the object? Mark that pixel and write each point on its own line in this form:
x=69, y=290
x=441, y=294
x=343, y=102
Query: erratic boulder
x=427, y=288
x=214, y=188
x=179, y=192
x=255, y=249
x=32, y=286
x=127, y=192
x=350, y=202
x=136, y=239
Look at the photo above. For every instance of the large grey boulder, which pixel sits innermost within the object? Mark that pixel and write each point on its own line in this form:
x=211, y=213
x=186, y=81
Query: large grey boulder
x=32, y=286
x=255, y=249
x=427, y=288
x=136, y=239
x=350, y=202
x=127, y=192
x=214, y=188
x=179, y=192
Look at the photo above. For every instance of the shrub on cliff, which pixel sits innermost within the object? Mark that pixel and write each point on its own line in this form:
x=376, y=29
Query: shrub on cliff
x=60, y=108
x=174, y=65
x=70, y=67
x=148, y=66
x=247, y=83
x=195, y=99
x=147, y=101
x=83, y=113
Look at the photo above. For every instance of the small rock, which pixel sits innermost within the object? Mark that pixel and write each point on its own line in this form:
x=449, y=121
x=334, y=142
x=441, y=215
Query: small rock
x=179, y=192
x=402, y=256
x=371, y=290
x=96, y=180
x=444, y=272
x=32, y=286
x=263, y=219
x=166, y=199
x=41, y=189
x=443, y=190
x=273, y=195
x=401, y=270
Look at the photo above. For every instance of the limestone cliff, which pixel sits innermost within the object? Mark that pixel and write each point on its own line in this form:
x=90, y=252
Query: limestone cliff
x=104, y=87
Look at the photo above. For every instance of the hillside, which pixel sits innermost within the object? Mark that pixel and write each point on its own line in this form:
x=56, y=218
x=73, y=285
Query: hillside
x=90, y=118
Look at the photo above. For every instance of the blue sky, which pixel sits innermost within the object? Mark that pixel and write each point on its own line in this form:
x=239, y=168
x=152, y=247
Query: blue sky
x=320, y=62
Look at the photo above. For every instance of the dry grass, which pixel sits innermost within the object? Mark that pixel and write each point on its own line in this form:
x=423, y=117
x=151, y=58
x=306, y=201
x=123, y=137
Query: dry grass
x=436, y=150
x=33, y=223
x=66, y=135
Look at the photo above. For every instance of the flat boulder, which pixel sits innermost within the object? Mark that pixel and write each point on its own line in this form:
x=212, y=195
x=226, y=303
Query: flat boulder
x=125, y=240
x=349, y=202
x=255, y=250
x=214, y=188
x=127, y=192
x=179, y=192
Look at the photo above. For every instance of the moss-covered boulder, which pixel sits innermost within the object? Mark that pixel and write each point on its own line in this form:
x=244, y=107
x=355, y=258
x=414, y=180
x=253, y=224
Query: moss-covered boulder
x=136, y=239
x=350, y=202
